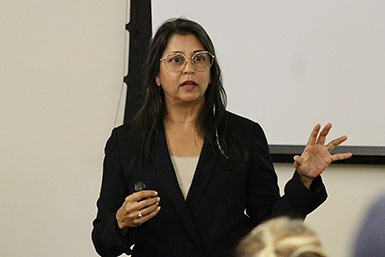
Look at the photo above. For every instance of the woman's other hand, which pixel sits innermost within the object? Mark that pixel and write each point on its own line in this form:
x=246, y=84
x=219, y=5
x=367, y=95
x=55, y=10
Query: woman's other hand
x=316, y=157
x=137, y=208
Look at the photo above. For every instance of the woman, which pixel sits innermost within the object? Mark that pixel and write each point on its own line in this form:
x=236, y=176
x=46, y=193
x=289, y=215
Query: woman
x=280, y=237
x=200, y=166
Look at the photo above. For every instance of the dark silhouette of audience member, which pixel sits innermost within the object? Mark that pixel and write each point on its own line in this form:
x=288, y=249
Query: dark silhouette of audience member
x=370, y=241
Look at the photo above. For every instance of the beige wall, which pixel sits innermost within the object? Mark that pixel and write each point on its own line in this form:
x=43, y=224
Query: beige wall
x=61, y=69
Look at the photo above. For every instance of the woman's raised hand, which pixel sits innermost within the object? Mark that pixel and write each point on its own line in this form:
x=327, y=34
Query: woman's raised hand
x=316, y=156
x=137, y=208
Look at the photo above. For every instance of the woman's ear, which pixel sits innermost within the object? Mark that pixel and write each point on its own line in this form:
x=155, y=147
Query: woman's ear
x=157, y=81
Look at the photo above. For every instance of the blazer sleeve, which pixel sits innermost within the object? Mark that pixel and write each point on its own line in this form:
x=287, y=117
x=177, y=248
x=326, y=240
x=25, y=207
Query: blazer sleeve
x=263, y=197
x=105, y=236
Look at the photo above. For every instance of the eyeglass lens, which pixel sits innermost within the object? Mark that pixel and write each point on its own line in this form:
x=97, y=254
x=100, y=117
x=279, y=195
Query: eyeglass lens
x=200, y=61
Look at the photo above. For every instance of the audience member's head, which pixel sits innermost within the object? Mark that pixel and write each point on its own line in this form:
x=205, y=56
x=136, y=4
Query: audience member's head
x=280, y=237
x=371, y=237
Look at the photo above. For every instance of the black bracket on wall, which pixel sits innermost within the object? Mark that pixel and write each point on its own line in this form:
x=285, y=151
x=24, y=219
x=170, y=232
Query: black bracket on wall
x=140, y=31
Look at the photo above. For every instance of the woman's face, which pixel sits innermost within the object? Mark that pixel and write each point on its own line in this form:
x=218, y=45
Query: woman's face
x=189, y=84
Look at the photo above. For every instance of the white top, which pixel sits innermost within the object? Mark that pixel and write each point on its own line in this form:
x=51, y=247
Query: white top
x=184, y=170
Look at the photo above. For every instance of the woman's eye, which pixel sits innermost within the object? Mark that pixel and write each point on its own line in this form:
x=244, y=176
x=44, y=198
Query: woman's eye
x=199, y=58
x=176, y=59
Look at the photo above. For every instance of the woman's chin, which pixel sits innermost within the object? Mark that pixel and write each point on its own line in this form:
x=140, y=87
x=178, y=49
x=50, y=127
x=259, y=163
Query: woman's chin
x=192, y=98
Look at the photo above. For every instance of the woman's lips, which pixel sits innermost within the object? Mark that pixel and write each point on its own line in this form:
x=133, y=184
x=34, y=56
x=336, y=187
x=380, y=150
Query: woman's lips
x=189, y=84
x=189, y=87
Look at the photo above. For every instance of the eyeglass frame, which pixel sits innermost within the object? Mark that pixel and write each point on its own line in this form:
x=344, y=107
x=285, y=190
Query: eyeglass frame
x=186, y=58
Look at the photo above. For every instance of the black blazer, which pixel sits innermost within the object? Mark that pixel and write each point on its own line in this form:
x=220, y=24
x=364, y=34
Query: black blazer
x=212, y=219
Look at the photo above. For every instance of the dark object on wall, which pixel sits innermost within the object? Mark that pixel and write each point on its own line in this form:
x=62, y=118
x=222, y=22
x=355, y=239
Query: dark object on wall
x=140, y=31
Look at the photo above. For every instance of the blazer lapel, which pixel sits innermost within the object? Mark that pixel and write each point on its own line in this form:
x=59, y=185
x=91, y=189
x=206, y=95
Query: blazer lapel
x=165, y=173
x=204, y=170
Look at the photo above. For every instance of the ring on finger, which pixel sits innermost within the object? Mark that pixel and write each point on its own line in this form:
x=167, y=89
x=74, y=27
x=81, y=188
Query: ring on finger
x=328, y=147
x=140, y=215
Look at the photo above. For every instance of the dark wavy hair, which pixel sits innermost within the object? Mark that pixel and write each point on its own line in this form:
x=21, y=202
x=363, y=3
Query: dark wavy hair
x=211, y=121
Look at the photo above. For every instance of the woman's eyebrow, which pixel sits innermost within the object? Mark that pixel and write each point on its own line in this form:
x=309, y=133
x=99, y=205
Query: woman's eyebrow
x=180, y=52
x=175, y=52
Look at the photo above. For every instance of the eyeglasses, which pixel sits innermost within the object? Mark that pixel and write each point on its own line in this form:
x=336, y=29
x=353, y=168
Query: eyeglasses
x=201, y=61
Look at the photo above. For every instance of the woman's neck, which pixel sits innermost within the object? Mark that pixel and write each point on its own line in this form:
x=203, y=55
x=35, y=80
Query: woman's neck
x=182, y=135
x=182, y=114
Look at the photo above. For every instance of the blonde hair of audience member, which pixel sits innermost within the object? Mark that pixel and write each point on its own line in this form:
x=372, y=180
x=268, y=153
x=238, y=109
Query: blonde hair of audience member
x=280, y=237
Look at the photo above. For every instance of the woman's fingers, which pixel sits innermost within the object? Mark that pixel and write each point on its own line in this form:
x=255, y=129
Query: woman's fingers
x=130, y=205
x=314, y=134
x=336, y=142
x=148, y=202
x=321, y=138
x=133, y=210
x=297, y=161
x=341, y=156
x=138, y=208
x=145, y=217
x=324, y=133
x=137, y=196
x=148, y=210
x=144, y=209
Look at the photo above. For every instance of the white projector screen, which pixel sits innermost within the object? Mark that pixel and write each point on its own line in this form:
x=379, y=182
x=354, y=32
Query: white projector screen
x=291, y=64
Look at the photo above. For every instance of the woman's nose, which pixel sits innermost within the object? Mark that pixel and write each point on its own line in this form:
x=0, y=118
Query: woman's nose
x=188, y=66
